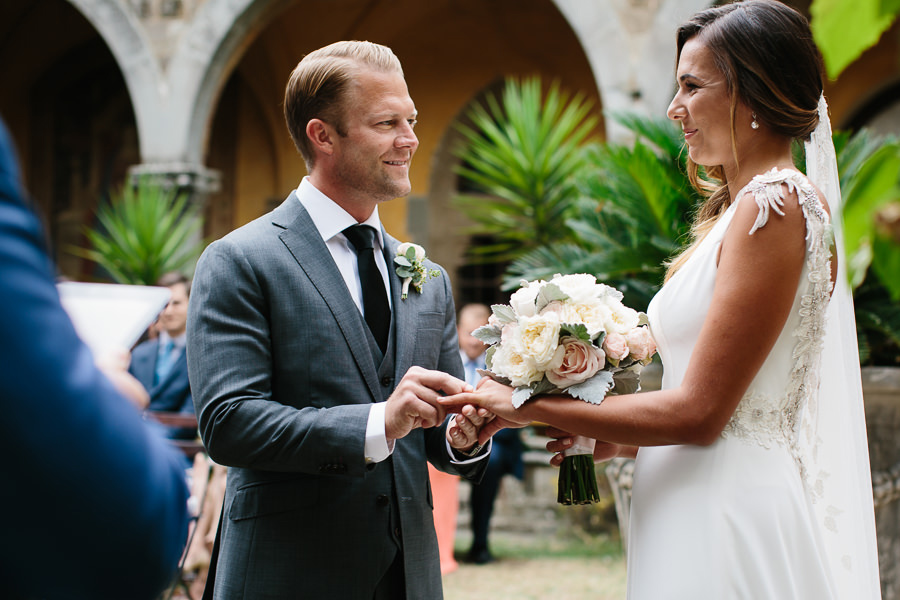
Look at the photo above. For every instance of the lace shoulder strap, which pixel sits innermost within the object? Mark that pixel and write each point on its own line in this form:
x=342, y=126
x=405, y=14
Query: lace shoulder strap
x=769, y=189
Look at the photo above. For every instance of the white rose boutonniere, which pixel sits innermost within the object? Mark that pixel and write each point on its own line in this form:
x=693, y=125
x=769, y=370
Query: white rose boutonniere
x=410, y=261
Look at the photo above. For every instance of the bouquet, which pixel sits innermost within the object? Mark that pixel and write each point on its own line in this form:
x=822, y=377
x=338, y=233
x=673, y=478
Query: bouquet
x=570, y=335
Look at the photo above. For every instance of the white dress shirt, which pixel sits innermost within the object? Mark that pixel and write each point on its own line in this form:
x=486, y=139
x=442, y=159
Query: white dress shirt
x=331, y=220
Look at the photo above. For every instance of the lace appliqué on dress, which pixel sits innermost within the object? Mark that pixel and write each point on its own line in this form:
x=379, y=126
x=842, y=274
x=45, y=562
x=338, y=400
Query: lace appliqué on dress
x=762, y=420
x=790, y=420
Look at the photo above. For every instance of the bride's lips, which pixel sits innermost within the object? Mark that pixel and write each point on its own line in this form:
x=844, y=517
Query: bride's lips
x=689, y=133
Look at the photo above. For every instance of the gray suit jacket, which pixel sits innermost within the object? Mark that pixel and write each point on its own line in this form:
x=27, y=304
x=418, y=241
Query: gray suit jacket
x=283, y=374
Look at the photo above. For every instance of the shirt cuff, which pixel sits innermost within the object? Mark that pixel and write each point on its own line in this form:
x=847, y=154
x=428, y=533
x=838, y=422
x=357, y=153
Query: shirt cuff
x=485, y=452
x=377, y=446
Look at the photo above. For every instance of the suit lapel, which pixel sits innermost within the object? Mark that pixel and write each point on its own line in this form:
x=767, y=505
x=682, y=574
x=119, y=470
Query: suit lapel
x=145, y=364
x=403, y=312
x=304, y=242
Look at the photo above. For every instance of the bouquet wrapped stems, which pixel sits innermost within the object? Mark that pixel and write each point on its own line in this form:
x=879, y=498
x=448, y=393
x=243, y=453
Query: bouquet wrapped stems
x=577, y=478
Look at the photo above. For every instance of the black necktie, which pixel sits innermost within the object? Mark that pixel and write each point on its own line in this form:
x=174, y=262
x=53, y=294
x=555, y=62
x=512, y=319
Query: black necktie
x=375, y=304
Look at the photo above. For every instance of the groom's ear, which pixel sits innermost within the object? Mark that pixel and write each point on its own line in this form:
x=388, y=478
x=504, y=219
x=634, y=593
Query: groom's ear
x=321, y=136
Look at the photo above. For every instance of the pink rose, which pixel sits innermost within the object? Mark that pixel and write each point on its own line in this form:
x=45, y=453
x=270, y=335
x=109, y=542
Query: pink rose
x=615, y=346
x=581, y=361
x=641, y=343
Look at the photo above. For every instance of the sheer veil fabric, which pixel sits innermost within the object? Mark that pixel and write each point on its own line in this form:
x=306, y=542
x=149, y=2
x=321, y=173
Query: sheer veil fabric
x=832, y=436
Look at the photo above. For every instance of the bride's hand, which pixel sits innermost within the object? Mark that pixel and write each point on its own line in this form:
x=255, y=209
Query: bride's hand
x=563, y=440
x=495, y=397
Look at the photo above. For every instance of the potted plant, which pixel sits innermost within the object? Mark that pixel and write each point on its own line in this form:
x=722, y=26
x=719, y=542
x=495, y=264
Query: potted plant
x=142, y=232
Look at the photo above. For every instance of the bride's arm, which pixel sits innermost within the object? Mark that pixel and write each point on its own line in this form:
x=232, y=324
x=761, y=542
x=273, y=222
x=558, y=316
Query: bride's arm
x=756, y=282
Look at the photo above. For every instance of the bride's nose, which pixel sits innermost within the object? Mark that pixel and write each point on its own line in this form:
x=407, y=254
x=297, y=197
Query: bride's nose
x=676, y=109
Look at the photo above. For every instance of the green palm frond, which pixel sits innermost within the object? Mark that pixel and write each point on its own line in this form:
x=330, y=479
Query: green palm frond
x=633, y=214
x=525, y=152
x=143, y=232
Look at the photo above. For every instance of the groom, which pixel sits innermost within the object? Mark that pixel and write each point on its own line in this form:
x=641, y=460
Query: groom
x=313, y=380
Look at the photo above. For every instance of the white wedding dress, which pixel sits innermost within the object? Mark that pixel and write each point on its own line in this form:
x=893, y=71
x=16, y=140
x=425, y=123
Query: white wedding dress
x=736, y=519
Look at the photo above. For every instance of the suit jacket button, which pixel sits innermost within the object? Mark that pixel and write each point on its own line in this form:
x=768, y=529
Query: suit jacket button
x=387, y=381
x=397, y=531
x=382, y=500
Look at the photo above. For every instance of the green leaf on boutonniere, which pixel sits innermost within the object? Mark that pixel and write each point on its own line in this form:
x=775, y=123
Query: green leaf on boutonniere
x=411, y=254
x=402, y=261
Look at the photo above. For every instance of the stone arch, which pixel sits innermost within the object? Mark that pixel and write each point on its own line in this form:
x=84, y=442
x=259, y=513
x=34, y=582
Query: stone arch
x=208, y=51
x=630, y=45
x=126, y=38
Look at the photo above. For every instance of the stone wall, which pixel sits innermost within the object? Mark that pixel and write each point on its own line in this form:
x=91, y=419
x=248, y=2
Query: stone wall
x=881, y=388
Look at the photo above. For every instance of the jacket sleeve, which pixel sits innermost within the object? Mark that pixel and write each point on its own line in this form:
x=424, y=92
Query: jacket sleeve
x=451, y=363
x=91, y=489
x=233, y=364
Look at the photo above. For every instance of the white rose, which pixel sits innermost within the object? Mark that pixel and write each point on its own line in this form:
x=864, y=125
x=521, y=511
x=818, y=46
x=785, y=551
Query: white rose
x=592, y=313
x=405, y=246
x=537, y=338
x=509, y=363
x=622, y=319
x=580, y=288
x=522, y=301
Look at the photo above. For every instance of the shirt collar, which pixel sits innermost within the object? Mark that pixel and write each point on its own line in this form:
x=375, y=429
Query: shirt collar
x=328, y=217
x=177, y=342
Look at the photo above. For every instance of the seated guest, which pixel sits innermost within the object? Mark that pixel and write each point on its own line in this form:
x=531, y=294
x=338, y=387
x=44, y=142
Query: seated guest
x=160, y=363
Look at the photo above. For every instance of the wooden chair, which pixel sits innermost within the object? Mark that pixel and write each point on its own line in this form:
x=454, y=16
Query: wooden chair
x=183, y=421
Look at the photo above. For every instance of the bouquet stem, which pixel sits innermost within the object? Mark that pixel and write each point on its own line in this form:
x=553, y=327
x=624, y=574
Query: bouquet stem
x=577, y=478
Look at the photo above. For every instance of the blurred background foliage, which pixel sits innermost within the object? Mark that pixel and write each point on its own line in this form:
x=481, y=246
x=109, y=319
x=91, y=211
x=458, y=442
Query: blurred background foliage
x=143, y=231
x=565, y=203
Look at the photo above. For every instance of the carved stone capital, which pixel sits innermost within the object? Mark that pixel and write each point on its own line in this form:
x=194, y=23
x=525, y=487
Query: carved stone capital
x=194, y=179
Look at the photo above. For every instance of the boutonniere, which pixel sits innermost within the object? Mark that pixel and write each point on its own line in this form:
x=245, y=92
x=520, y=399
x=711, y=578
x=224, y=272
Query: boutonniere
x=410, y=261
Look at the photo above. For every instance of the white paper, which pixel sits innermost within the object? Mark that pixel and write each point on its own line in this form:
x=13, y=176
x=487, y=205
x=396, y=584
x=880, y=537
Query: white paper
x=111, y=317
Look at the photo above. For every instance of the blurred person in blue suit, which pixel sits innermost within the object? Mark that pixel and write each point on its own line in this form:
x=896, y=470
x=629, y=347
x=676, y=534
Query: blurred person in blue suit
x=160, y=363
x=95, y=503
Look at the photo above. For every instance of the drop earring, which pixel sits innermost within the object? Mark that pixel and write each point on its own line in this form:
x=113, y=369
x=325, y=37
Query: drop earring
x=753, y=123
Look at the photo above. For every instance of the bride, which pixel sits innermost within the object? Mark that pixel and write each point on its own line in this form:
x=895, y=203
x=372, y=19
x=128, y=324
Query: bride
x=751, y=476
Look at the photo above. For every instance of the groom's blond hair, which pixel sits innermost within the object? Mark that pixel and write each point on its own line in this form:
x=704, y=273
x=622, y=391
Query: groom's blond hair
x=317, y=87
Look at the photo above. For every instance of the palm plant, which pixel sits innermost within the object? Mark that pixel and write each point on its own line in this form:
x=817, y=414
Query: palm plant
x=869, y=169
x=631, y=217
x=525, y=151
x=144, y=231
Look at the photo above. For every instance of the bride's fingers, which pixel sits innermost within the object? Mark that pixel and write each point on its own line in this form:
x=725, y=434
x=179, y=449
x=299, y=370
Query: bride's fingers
x=556, y=459
x=560, y=444
x=555, y=432
x=456, y=402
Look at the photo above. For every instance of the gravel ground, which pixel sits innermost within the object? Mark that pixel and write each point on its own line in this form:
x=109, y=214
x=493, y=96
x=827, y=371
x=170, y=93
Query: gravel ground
x=538, y=579
x=529, y=568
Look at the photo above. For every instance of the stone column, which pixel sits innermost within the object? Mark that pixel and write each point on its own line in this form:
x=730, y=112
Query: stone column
x=193, y=180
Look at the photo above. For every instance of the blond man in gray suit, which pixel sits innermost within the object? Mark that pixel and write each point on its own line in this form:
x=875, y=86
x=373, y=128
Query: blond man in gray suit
x=314, y=380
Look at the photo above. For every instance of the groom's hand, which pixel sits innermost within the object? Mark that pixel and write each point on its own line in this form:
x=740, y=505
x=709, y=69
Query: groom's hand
x=462, y=433
x=414, y=403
